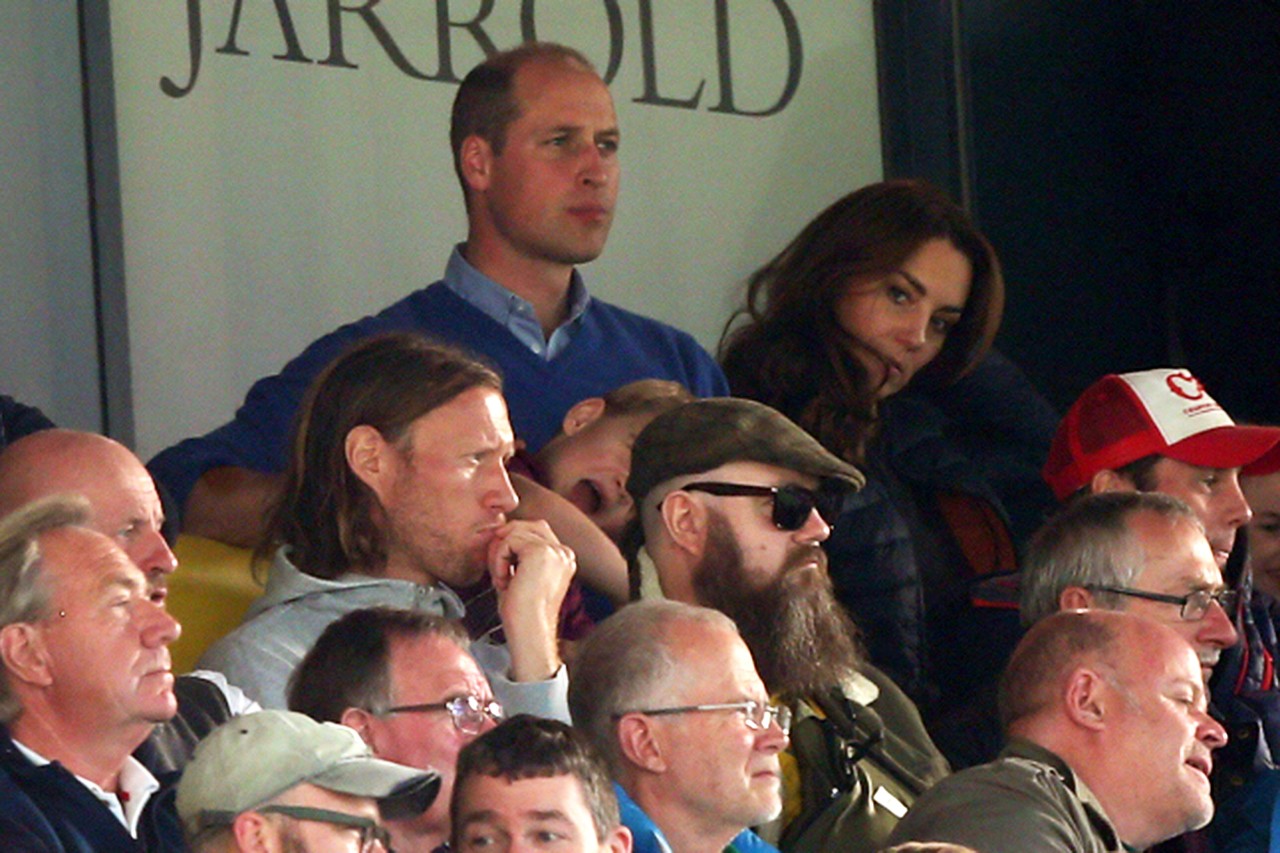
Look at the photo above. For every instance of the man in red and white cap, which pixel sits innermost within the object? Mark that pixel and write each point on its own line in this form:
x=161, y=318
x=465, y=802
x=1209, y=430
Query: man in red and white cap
x=1159, y=431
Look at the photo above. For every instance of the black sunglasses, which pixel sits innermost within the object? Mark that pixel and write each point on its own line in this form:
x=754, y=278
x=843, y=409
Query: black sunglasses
x=791, y=504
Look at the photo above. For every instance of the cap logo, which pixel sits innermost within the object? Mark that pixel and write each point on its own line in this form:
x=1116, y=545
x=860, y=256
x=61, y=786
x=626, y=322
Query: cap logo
x=1176, y=403
x=1185, y=385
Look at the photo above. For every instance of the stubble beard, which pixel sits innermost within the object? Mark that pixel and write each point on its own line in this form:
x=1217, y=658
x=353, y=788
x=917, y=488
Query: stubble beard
x=431, y=555
x=802, y=640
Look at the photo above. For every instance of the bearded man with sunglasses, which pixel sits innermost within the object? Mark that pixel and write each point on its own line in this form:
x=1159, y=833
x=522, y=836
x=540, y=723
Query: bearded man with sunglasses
x=406, y=682
x=734, y=503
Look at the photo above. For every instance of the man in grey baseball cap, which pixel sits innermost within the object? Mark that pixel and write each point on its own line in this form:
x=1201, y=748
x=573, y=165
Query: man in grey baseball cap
x=278, y=780
x=733, y=504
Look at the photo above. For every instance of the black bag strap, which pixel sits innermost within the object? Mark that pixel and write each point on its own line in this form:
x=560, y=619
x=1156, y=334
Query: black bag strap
x=863, y=734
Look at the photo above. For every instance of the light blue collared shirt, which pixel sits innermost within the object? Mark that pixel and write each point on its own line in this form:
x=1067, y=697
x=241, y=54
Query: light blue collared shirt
x=514, y=313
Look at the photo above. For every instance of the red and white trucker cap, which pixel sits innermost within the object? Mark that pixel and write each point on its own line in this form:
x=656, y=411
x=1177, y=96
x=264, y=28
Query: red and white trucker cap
x=1122, y=418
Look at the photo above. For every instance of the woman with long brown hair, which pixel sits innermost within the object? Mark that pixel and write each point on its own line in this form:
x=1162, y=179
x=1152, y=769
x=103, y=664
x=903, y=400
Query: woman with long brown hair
x=893, y=287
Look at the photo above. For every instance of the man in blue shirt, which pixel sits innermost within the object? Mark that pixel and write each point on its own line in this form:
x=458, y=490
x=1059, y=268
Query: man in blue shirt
x=668, y=693
x=535, y=143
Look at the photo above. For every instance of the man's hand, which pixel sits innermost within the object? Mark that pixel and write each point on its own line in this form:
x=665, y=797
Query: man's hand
x=531, y=570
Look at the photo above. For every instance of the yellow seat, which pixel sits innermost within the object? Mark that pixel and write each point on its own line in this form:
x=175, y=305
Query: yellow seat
x=209, y=594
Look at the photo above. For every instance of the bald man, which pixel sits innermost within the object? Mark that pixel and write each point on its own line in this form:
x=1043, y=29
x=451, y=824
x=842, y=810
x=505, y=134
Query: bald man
x=119, y=489
x=125, y=507
x=1110, y=745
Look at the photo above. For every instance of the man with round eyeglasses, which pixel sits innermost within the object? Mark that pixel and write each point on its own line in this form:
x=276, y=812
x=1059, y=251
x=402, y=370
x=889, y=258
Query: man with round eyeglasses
x=277, y=780
x=404, y=681
x=734, y=502
x=669, y=694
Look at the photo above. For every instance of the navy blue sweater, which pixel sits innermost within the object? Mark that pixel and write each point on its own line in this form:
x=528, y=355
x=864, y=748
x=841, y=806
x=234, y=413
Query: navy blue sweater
x=47, y=809
x=610, y=348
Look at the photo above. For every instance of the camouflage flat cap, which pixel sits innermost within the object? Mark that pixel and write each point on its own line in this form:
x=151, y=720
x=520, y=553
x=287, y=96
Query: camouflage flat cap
x=706, y=434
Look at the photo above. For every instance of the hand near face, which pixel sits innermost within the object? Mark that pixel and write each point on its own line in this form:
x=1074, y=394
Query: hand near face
x=531, y=570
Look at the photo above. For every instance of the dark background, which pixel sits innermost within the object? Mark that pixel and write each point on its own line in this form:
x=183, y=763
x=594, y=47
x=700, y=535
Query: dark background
x=1124, y=159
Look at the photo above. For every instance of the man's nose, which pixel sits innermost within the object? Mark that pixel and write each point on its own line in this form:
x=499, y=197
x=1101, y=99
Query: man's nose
x=1216, y=629
x=594, y=168
x=502, y=495
x=1210, y=732
x=155, y=555
x=815, y=528
x=1235, y=508
x=772, y=739
x=162, y=629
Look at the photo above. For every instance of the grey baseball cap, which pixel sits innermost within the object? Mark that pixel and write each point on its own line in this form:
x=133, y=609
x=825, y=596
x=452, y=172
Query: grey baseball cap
x=706, y=434
x=254, y=758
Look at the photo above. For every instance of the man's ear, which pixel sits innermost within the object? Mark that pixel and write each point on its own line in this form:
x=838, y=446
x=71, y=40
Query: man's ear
x=250, y=831
x=361, y=721
x=619, y=840
x=1086, y=698
x=1109, y=480
x=640, y=744
x=582, y=414
x=25, y=657
x=686, y=522
x=1075, y=598
x=475, y=158
x=371, y=458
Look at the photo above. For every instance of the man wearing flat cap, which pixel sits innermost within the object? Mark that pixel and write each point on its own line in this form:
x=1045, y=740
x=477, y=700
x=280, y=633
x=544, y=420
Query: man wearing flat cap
x=280, y=781
x=734, y=502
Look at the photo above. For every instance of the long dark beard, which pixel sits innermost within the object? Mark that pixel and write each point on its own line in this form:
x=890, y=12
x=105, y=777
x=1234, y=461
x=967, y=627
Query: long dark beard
x=801, y=638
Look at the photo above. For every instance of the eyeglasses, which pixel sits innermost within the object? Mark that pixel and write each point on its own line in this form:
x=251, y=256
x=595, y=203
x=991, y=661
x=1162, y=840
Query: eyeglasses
x=469, y=714
x=373, y=835
x=757, y=715
x=1193, y=607
x=791, y=504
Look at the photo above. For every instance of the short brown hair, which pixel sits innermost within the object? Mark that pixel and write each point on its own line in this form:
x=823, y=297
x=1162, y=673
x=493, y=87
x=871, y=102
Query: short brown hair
x=326, y=514
x=348, y=667
x=645, y=397
x=528, y=747
x=1054, y=647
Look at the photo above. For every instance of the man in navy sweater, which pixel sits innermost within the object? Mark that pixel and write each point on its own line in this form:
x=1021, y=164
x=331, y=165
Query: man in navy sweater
x=535, y=145
x=84, y=678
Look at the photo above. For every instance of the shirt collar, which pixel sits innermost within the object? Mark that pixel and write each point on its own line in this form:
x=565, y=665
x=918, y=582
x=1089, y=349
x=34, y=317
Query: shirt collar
x=513, y=312
x=137, y=784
